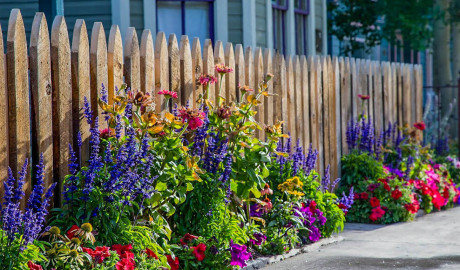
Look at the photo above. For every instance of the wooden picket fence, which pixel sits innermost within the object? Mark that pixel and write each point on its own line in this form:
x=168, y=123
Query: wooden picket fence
x=42, y=88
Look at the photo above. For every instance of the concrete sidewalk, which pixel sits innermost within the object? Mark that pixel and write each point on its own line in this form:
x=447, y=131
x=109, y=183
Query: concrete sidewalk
x=430, y=242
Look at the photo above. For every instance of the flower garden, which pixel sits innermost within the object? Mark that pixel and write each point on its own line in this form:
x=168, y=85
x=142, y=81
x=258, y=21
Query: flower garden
x=196, y=189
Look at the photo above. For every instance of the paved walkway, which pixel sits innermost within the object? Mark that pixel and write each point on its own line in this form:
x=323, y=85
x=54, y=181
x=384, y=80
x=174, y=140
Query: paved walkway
x=430, y=242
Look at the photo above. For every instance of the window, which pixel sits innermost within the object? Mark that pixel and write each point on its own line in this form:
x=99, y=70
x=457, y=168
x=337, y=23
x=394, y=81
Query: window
x=301, y=10
x=194, y=18
x=279, y=24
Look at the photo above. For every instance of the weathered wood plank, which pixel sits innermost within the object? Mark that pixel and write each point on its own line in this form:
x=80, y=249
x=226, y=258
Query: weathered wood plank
x=378, y=98
x=3, y=118
x=346, y=100
x=325, y=115
x=386, y=93
x=418, y=93
x=147, y=63
x=161, y=71
x=219, y=58
x=18, y=96
x=249, y=68
x=318, y=100
x=370, y=90
x=399, y=90
x=174, y=67
x=114, y=62
x=62, y=99
x=258, y=78
x=334, y=105
x=40, y=86
x=305, y=95
x=240, y=78
x=268, y=101
x=298, y=101
x=407, y=94
x=208, y=67
x=230, y=78
x=186, y=74
x=80, y=87
x=354, y=87
x=313, y=71
x=290, y=97
x=98, y=68
x=197, y=71
x=280, y=91
x=131, y=67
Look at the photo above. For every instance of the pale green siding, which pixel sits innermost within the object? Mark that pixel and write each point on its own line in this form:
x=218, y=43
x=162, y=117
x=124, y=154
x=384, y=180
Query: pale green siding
x=136, y=8
x=235, y=21
x=261, y=23
x=28, y=9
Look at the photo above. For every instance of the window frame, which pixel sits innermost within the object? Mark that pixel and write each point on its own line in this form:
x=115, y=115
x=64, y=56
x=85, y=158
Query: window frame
x=183, y=10
x=277, y=5
x=304, y=13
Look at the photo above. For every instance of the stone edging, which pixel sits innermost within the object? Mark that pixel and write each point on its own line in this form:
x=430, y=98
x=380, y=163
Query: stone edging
x=264, y=261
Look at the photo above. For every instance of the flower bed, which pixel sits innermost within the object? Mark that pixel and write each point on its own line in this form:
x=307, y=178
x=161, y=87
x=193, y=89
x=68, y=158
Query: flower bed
x=393, y=175
x=191, y=189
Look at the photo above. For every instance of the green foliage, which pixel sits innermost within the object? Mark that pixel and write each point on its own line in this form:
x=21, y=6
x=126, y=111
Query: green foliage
x=358, y=167
x=12, y=257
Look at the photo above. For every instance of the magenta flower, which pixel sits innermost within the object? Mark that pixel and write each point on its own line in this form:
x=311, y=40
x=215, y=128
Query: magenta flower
x=259, y=239
x=167, y=93
x=239, y=254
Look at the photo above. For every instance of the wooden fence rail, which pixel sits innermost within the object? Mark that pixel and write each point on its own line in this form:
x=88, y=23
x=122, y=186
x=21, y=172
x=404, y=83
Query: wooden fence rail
x=315, y=96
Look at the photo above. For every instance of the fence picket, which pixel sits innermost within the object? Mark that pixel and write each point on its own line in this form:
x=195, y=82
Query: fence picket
x=3, y=119
x=208, y=66
x=197, y=64
x=258, y=78
x=399, y=91
x=249, y=68
x=419, y=93
x=240, y=79
x=290, y=100
x=131, y=67
x=334, y=107
x=18, y=96
x=305, y=96
x=80, y=86
x=40, y=85
x=386, y=93
x=345, y=100
x=230, y=78
x=114, y=61
x=325, y=115
x=62, y=99
x=407, y=94
x=186, y=75
x=174, y=67
x=147, y=62
x=314, y=108
x=268, y=101
x=219, y=58
x=98, y=67
x=279, y=88
x=161, y=71
x=378, y=98
x=298, y=108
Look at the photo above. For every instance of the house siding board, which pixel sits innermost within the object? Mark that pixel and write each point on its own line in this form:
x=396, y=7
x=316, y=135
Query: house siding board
x=319, y=14
x=235, y=21
x=261, y=23
x=28, y=9
x=91, y=11
x=137, y=16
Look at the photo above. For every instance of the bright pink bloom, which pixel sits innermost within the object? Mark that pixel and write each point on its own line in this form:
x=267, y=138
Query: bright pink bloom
x=194, y=117
x=364, y=97
x=125, y=264
x=222, y=69
x=420, y=125
x=167, y=93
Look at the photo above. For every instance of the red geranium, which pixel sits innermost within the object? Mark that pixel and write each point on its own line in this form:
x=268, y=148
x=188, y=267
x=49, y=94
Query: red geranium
x=173, y=263
x=364, y=195
x=124, y=251
x=376, y=213
x=438, y=200
x=386, y=186
x=312, y=206
x=71, y=232
x=187, y=238
x=150, y=253
x=125, y=264
x=33, y=266
x=420, y=125
x=446, y=193
x=396, y=194
x=198, y=251
x=374, y=202
x=99, y=254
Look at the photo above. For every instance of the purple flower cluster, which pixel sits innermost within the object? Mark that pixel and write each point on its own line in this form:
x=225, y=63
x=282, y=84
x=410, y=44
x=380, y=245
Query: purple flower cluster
x=409, y=163
x=28, y=224
x=312, y=218
x=259, y=239
x=345, y=202
x=441, y=146
x=240, y=254
x=215, y=152
x=299, y=160
x=326, y=180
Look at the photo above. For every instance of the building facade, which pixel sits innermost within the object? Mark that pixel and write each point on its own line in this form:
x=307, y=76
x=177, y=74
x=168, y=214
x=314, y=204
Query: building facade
x=288, y=26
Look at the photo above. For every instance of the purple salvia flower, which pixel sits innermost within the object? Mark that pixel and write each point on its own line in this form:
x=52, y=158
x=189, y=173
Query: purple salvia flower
x=326, y=180
x=118, y=127
x=37, y=192
x=87, y=112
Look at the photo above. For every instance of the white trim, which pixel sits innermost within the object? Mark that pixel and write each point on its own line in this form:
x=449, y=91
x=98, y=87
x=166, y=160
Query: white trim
x=269, y=24
x=249, y=23
x=290, y=29
x=221, y=20
x=150, y=16
x=324, y=28
x=121, y=15
x=311, y=39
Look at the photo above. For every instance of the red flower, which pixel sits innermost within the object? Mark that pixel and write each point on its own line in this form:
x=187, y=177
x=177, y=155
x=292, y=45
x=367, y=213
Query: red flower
x=150, y=253
x=364, y=97
x=396, y=194
x=364, y=195
x=187, y=238
x=206, y=80
x=122, y=250
x=446, y=193
x=125, y=264
x=173, y=263
x=71, y=232
x=99, y=254
x=342, y=206
x=420, y=126
x=356, y=196
x=376, y=213
x=312, y=206
x=374, y=202
x=386, y=186
x=198, y=251
x=33, y=266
